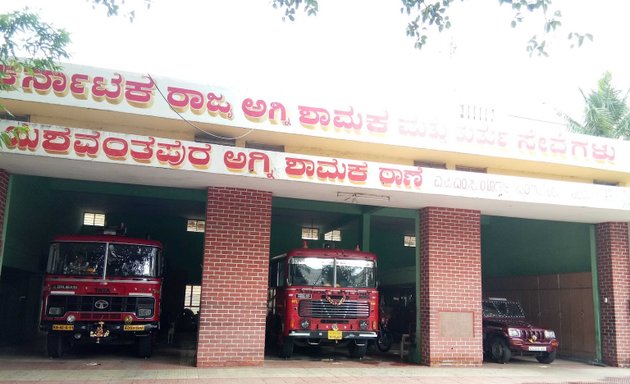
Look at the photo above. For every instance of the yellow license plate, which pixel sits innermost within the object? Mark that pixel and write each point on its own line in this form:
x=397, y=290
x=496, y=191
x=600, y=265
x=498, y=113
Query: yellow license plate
x=334, y=335
x=63, y=327
x=133, y=327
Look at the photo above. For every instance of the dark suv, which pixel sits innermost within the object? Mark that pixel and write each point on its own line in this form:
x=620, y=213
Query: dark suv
x=507, y=332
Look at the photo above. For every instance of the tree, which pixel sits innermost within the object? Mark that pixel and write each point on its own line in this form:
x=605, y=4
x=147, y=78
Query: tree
x=606, y=112
x=30, y=44
x=427, y=15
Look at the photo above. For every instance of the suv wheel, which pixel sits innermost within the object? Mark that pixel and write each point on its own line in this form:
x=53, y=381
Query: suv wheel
x=499, y=350
x=547, y=357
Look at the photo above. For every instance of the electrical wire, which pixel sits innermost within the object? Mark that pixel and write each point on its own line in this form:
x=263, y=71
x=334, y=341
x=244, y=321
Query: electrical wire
x=189, y=122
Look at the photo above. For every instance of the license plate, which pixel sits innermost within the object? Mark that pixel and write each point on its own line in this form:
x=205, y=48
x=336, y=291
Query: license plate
x=334, y=335
x=538, y=349
x=63, y=327
x=133, y=328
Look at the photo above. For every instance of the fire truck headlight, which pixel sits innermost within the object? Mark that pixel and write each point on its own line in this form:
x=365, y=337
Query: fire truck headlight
x=145, y=312
x=363, y=325
x=70, y=319
x=549, y=334
x=305, y=324
x=55, y=311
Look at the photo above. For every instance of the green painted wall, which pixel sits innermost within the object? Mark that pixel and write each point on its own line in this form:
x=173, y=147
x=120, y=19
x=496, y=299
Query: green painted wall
x=392, y=254
x=33, y=214
x=520, y=247
x=42, y=208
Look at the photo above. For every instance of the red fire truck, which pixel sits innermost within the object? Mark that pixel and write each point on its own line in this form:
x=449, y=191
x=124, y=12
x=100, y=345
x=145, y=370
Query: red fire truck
x=322, y=296
x=101, y=289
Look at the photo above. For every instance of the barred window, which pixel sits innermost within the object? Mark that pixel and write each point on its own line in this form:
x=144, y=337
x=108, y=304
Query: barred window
x=196, y=226
x=192, y=298
x=334, y=235
x=310, y=233
x=94, y=219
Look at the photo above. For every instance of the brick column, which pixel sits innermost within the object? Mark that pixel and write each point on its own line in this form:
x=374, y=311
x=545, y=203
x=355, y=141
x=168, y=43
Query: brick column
x=450, y=287
x=234, y=278
x=4, y=191
x=613, y=275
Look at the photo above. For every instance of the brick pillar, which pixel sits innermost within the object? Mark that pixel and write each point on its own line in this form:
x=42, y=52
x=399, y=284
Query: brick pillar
x=450, y=287
x=613, y=275
x=4, y=191
x=234, y=278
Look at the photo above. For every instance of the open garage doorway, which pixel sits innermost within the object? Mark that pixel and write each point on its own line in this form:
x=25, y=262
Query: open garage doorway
x=42, y=208
x=386, y=232
x=548, y=267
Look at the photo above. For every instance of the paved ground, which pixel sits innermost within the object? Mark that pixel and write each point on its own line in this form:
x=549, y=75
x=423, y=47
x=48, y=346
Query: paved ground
x=174, y=365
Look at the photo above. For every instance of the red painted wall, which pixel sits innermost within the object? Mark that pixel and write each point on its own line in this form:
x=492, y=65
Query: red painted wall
x=234, y=278
x=613, y=268
x=450, y=287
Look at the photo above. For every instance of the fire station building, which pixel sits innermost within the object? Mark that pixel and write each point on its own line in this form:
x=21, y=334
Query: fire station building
x=458, y=202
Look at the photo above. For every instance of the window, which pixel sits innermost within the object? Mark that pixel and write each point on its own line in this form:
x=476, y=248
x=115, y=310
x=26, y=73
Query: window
x=471, y=169
x=94, y=219
x=192, y=298
x=310, y=233
x=605, y=182
x=334, y=235
x=429, y=164
x=264, y=147
x=203, y=137
x=24, y=118
x=409, y=241
x=196, y=226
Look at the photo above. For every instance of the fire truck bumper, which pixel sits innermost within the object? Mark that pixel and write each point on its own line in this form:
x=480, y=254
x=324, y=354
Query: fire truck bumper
x=333, y=335
x=99, y=329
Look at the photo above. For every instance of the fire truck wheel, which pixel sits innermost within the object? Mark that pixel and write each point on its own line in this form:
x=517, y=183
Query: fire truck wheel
x=358, y=351
x=286, y=348
x=54, y=345
x=144, y=345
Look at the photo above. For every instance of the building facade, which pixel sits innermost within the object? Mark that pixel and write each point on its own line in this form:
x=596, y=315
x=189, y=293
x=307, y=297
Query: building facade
x=242, y=157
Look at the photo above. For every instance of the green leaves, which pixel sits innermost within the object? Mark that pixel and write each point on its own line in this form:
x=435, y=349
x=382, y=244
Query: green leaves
x=433, y=15
x=428, y=15
x=606, y=112
x=116, y=7
x=578, y=39
x=25, y=35
x=311, y=7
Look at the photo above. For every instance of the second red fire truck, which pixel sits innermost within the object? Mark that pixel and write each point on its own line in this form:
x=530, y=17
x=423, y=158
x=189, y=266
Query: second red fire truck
x=323, y=296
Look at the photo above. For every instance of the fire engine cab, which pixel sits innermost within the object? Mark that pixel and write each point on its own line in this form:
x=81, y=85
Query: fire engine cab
x=101, y=289
x=322, y=296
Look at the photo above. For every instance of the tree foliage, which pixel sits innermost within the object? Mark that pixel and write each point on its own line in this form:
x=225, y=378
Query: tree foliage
x=30, y=44
x=426, y=16
x=606, y=112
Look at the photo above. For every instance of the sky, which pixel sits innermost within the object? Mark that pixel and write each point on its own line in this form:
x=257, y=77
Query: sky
x=355, y=52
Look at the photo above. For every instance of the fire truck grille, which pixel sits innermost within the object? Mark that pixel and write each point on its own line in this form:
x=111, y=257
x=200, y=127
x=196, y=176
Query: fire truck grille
x=323, y=309
x=100, y=307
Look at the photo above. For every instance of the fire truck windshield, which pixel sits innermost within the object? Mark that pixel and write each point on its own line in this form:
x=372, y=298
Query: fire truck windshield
x=327, y=272
x=89, y=259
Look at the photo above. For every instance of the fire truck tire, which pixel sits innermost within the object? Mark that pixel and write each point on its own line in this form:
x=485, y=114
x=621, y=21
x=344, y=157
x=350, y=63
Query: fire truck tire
x=286, y=348
x=144, y=345
x=384, y=341
x=55, y=345
x=358, y=351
